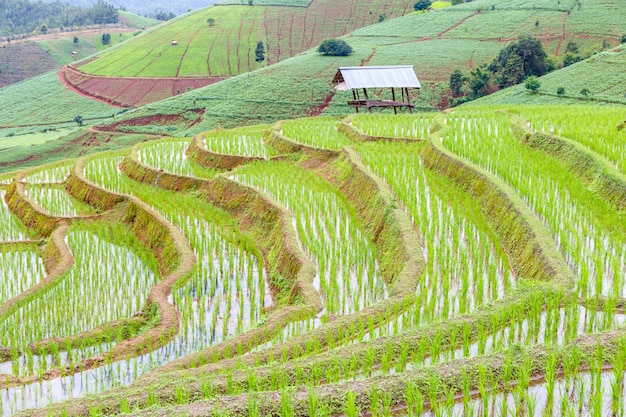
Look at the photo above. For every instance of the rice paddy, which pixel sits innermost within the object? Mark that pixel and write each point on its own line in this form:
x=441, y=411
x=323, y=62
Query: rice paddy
x=473, y=334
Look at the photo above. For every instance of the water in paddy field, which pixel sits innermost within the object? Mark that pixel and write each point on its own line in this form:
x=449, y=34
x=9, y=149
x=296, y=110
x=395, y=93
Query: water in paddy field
x=215, y=304
x=584, y=395
x=11, y=230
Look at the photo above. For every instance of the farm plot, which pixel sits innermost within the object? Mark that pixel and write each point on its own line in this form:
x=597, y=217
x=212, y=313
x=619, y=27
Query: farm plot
x=239, y=142
x=474, y=334
x=169, y=156
x=117, y=290
x=465, y=265
x=55, y=174
x=597, y=131
x=54, y=200
x=347, y=274
x=320, y=133
x=21, y=269
x=11, y=229
x=396, y=126
x=579, y=219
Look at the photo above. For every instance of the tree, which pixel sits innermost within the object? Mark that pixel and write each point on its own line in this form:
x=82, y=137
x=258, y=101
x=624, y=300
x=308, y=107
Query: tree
x=334, y=47
x=456, y=82
x=560, y=91
x=78, y=119
x=455, y=2
x=571, y=47
x=259, y=52
x=585, y=91
x=622, y=39
x=106, y=38
x=210, y=21
x=479, y=82
x=75, y=40
x=249, y=2
x=519, y=60
x=532, y=84
x=421, y=5
x=44, y=28
x=381, y=18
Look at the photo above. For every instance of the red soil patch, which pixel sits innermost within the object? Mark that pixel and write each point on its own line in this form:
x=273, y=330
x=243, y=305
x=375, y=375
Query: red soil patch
x=129, y=91
x=158, y=119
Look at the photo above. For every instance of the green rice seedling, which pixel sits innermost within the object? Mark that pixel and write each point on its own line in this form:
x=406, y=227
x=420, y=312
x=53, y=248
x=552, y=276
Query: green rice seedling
x=87, y=297
x=244, y=141
x=580, y=221
x=21, y=269
x=57, y=173
x=11, y=229
x=319, y=132
x=465, y=266
x=170, y=157
x=347, y=272
x=594, y=128
x=56, y=201
x=104, y=172
x=412, y=126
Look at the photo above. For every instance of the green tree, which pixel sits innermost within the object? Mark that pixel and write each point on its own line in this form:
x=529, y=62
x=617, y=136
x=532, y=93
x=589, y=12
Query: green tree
x=259, y=52
x=479, y=82
x=106, y=38
x=334, y=47
x=571, y=47
x=456, y=82
x=532, y=84
x=75, y=40
x=519, y=60
x=585, y=91
x=78, y=119
x=455, y=2
x=560, y=91
x=421, y=5
x=622, y=39
x=210, y=21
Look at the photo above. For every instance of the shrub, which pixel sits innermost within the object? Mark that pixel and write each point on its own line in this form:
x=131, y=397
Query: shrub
x=560, y=91
x=334, y=47
x=532, y=84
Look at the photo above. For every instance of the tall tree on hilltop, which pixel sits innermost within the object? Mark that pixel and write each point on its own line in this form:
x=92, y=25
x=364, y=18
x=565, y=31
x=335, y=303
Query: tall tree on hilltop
x=259, y=52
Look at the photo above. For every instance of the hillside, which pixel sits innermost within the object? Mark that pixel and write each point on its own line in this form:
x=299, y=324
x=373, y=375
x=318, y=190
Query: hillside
x=301, y=85
x=144, y=8
x=208, y=52
x=36, y=54
x=283, y=271
x=599, y=79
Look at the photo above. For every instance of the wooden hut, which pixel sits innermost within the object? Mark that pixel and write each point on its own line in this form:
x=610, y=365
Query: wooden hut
x=361, y=78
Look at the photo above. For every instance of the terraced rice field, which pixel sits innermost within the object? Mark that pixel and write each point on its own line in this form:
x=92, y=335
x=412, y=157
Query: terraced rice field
x=451, y=264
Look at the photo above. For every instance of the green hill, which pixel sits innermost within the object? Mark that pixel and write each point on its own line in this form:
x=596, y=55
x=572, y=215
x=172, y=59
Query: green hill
x=225, y=47
x=599, y=79
x=436, y=43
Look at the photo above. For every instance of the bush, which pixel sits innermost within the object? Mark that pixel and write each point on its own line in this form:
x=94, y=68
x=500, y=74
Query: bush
x=421, y=5
x=560, y=91
x=532, y=84
x=334, y=47
x=585, y=91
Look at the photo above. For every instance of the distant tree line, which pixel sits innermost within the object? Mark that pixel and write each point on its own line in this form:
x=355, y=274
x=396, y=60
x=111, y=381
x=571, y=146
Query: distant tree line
x=23, y=16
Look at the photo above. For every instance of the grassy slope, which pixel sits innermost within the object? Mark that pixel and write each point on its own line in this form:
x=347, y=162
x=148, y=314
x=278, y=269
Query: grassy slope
x=227, y=47
x=436, y=43
x=23, y=60
x=604, y=75
x=301, y=85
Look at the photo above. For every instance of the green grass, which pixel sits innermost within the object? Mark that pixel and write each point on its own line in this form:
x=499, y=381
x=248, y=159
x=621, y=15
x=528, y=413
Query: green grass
x=226, y=47
x=43, y=101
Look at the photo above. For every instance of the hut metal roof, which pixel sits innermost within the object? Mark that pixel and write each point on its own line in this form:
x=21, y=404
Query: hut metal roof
x=396, y=76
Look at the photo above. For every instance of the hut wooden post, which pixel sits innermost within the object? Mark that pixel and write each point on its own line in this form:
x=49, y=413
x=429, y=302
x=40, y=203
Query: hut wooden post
x=393, y=97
